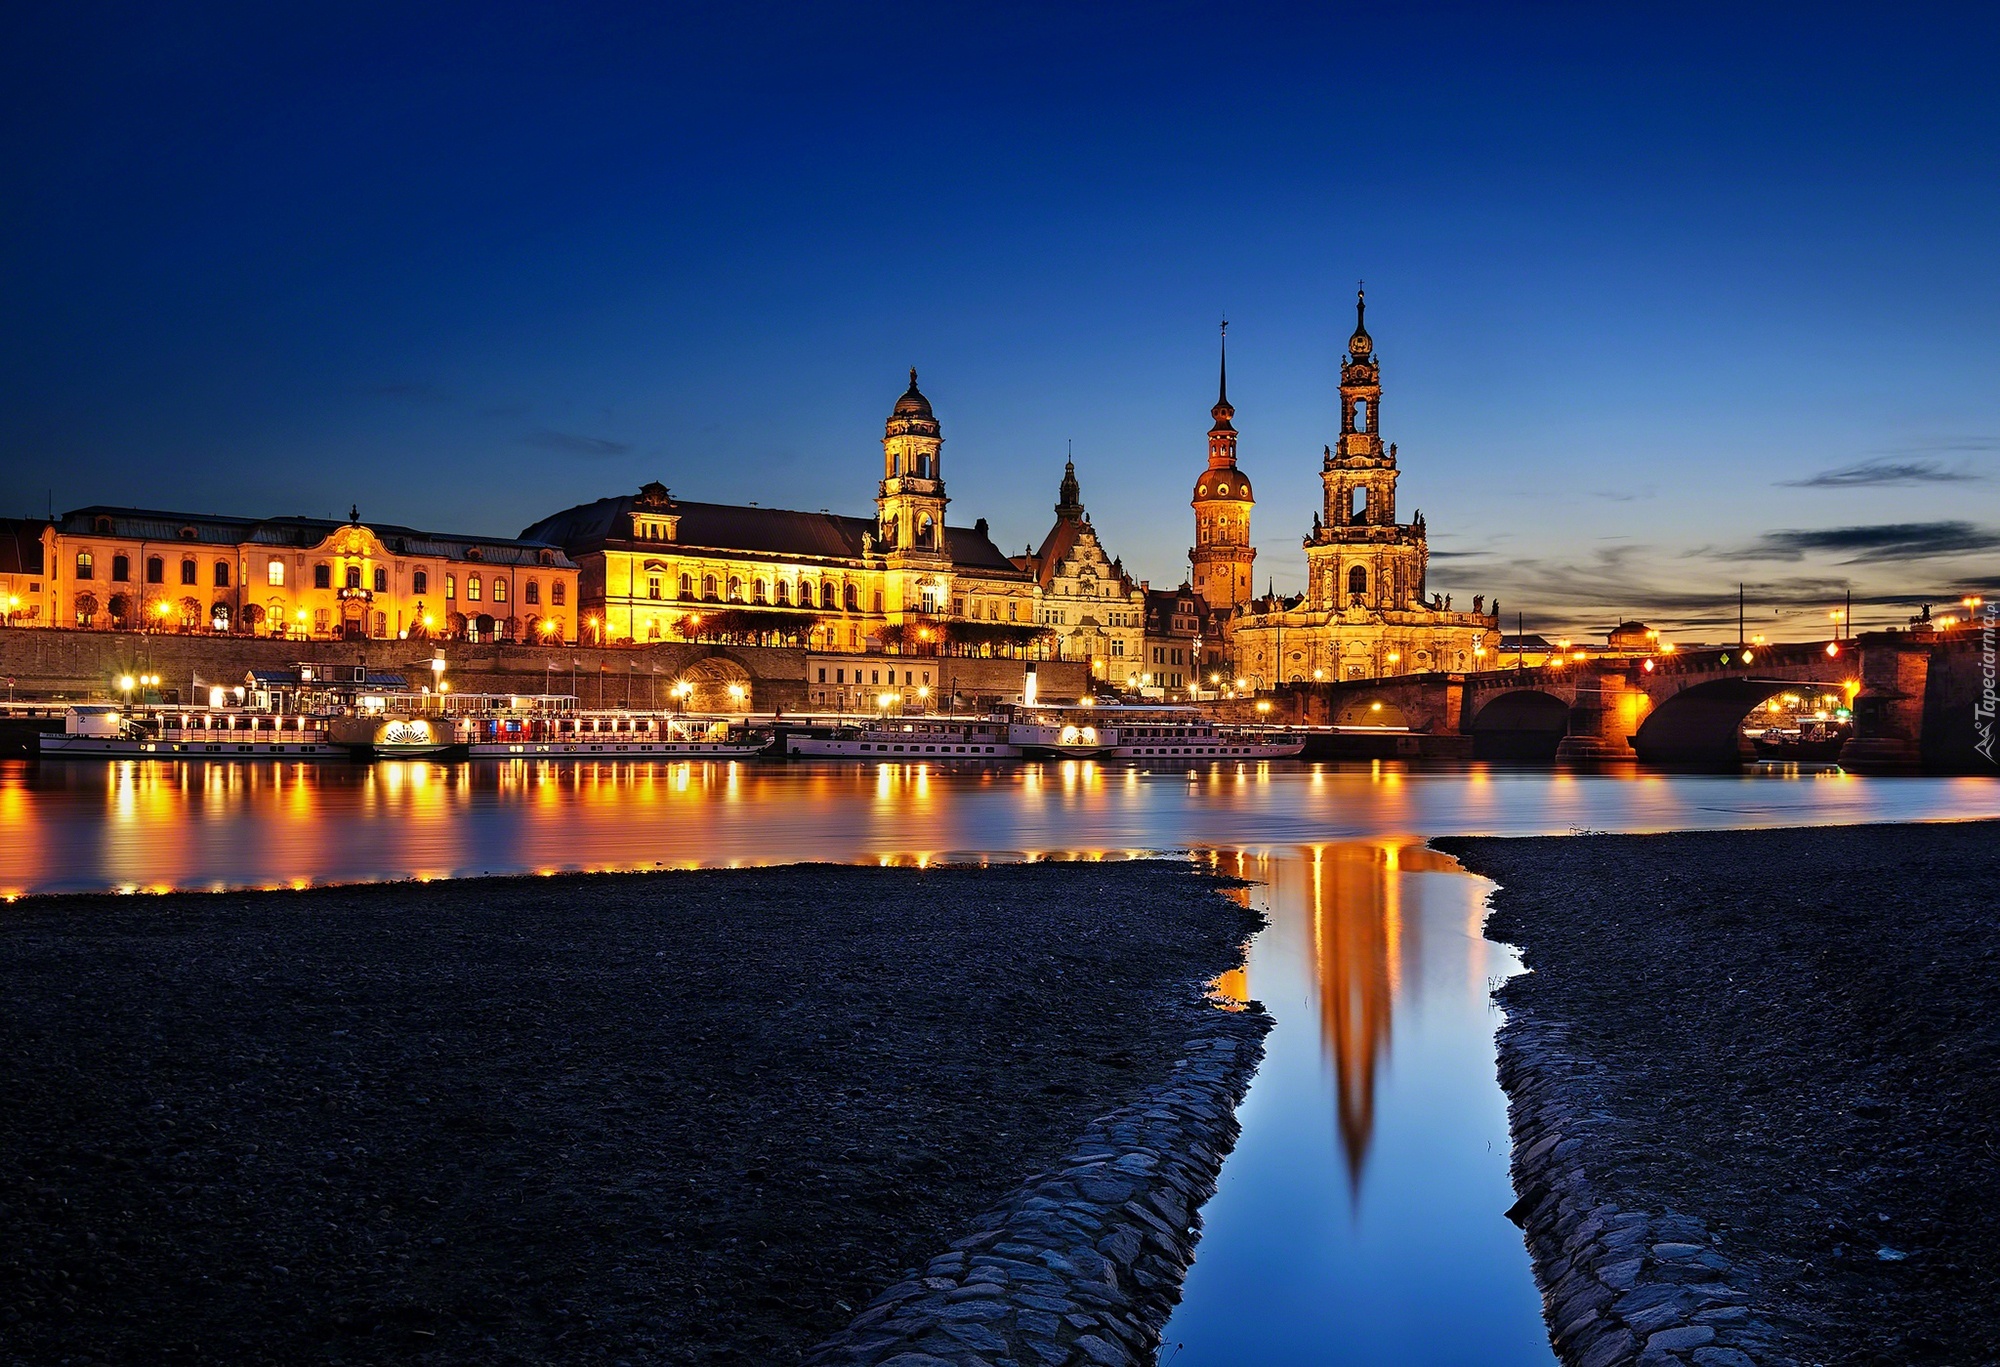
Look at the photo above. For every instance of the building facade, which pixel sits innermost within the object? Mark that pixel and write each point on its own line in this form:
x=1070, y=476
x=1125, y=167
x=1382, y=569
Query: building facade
x=1095, y=610
x=23, y=582
x=654, y=567
x=127, y=569
x=1171, y=654
x=1367, y=611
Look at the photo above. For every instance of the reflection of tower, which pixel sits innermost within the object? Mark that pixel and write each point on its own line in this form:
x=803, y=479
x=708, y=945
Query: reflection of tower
x=1222, y=554
x=1356, y=923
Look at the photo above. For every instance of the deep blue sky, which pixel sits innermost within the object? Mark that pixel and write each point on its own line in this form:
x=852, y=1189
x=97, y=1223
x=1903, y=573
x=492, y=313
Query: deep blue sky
x=1638, y=277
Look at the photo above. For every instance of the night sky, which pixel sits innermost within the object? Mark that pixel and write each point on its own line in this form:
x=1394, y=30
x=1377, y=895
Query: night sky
x=1665, y=298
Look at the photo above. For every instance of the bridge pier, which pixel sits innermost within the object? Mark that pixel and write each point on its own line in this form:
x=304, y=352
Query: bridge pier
x=1889, y=711
x=1602, y=721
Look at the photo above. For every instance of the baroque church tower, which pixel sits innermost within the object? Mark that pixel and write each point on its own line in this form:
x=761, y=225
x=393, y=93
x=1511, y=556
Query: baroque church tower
x=1358, y=556
x=1222, y=555
x=909, y=504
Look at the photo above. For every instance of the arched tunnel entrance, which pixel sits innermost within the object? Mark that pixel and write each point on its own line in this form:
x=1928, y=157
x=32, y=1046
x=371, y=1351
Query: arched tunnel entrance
x=1702, y=727
x=1371, y=712
x=716, y=683
x=1522, y=727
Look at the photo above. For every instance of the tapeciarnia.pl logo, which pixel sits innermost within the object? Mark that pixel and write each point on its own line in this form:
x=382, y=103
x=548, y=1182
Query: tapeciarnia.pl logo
x=1983, y=710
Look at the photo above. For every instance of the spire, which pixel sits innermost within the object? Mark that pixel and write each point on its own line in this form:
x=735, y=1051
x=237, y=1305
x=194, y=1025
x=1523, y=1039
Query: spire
x=1222, y=399
x=1069, y=498
x=1360, y=345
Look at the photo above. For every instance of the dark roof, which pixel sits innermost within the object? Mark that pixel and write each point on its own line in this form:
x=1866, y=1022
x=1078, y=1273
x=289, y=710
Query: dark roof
x=590, y=527
x=222, y=530
x=1528, y=642
x=21, y=545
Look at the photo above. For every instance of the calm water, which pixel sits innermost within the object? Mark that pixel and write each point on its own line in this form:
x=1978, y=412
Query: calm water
x=1359, y=1219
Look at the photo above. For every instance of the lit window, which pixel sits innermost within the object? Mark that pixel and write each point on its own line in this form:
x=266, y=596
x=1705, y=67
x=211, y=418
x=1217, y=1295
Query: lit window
x=86, y=565
x=276, y=573
x=450, y=587
x=653, y=587
x=499, y=589
x=472, y=587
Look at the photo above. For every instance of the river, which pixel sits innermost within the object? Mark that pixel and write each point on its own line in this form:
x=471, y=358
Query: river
x=1359, y=1219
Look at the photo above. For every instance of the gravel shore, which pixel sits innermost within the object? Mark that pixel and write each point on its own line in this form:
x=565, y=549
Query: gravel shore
x=682, y=1117
x=1755, y=1077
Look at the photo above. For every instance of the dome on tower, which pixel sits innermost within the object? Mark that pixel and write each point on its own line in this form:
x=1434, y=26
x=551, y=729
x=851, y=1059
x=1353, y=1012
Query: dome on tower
x=1360, y=344
x=913, y=404
x=1227, y=485
x=912, y=416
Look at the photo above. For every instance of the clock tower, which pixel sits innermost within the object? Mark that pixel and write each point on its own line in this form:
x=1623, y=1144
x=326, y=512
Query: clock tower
x=1222, y=555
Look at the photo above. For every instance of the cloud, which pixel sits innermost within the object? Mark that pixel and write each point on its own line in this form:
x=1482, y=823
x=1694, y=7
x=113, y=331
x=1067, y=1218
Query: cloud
x=1870, y=474
x=1625, y=495
x=572, y=443
x=1882, y=541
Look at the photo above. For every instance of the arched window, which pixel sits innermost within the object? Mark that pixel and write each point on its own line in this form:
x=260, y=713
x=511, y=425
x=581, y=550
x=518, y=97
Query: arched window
x=687, y=586
x=534, y=591
x=757, y=594
x=472, y=588
x=353, y=577
x=1357, y=581
x=190, y=572
x=121, y=569
x=222, y=576
x=708, y=587
x=735, y=589
x=275, y=573
x=322, y=576
x=853, y=598
x=558, y=593
x=86, y=568
x=499, y=589
x=826, y=596
x=784, y=592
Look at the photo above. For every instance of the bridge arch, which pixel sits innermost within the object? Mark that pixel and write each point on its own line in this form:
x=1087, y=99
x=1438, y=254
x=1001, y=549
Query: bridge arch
x=1521, y=725
x=1702, y=725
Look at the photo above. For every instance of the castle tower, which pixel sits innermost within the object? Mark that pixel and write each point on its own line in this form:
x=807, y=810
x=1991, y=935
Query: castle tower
x=1222, y=554
x=909, y=504
x=1358, y=556
x=1069, y=496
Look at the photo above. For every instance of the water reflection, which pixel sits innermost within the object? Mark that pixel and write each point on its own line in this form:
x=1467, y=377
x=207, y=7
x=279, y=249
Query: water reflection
x=167, y=824
x=1359, y=1219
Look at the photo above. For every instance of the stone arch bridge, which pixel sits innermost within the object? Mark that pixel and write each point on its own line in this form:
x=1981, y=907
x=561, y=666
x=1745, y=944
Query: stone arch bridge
x=1685, y=709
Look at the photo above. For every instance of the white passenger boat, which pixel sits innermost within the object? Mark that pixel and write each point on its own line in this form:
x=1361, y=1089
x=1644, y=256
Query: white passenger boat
x=1146, y=734
x=548, y=728
x=109, y=731
x=900, y=738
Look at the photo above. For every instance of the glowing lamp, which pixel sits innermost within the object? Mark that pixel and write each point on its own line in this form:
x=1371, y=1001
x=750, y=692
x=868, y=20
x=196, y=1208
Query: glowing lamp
x=1832, y=649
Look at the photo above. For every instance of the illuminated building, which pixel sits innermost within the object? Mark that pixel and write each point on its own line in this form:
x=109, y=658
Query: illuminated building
x=654, y=566
x=22, y=580
x=1094, y=609
x=129, y=569
x=1173, y=640
x=1366, y=612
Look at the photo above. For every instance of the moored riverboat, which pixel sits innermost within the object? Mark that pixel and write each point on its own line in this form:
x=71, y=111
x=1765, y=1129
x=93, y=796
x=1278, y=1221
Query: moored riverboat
x=968, y=738
x=1147, y=734
x=111, y=731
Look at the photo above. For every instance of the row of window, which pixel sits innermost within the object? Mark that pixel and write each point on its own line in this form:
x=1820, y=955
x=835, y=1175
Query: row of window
x=420, y=580
x=156, y=570
x=910, y=679
x=715, y=590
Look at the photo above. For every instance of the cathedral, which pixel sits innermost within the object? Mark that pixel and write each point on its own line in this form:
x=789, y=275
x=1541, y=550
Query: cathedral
x=1367, y=611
